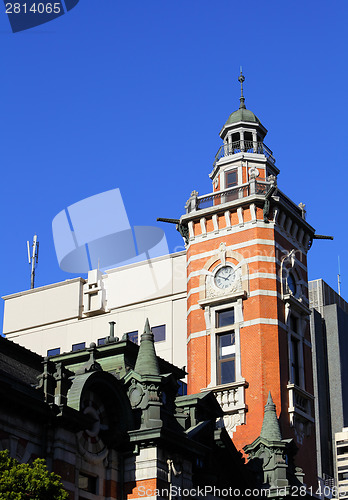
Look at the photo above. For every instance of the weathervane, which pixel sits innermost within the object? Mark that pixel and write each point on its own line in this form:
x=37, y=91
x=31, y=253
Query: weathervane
x=241, y=78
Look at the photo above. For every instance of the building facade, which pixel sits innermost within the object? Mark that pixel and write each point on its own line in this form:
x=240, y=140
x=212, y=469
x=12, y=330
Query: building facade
x=329, y=326
x=110, y=422
x=247, y=302
x=70, y=315
x=100, y=419
x=341, y=462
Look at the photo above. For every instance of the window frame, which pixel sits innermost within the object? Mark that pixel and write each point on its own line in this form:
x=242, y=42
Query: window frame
x=295, y=346
x=227, y=173
x=75, y=347
x=154, y=333
x=53, y=352
x=221, y=360
x=131, y=336
x=216, y=332
x=92, y=486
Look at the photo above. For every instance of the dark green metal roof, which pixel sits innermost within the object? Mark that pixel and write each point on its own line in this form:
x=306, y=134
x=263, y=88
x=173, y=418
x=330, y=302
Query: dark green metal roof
x=147, y=363
x=270, y=426
x=242, y=115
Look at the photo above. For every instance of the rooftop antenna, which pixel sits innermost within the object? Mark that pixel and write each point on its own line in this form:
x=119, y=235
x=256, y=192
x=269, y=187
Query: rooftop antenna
x=241, y=78
x=33, y=258
x=339, y=276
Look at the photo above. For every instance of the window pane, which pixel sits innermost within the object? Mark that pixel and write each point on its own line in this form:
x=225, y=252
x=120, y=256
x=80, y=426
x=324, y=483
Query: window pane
x=101, y=341
x=227, y=371
x=227, y=345
x=78, y=347
x=225, y=317
x=133, y=336
x=87, y=483
x=53, y=352
x=227, y=339
x=231, y=178
x=294, y=323
x=159, y=333
x=182, y=391
x=295, y=368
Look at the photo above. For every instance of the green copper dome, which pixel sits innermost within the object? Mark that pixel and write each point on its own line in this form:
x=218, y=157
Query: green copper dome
x=242, y=115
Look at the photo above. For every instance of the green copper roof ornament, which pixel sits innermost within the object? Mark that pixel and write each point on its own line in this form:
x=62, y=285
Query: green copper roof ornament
x=147, y=363
x=270, y=426
x=242, y=114
x=241, y=78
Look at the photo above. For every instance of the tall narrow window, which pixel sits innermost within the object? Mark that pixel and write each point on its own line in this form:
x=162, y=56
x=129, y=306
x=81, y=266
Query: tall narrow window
x=295, y=366
x=248, y=142
x=294, y=323
x=226, y=348
x=231, y=181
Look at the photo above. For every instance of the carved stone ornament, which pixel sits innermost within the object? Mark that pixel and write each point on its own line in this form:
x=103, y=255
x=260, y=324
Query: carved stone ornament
x=225, y=273
x=264, y=454
x=213, y=291
x=253, y=173
x=230, y=422
x=299, y=429
x=222, y=252
x=135, y=394
x=90, y=444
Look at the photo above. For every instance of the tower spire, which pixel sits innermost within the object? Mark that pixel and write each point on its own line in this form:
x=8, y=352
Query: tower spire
x=241, y=78
x=270, y=426
x=147, y=363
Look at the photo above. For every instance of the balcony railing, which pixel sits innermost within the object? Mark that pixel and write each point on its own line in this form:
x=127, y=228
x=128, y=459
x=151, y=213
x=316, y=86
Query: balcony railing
x=300, y=403
x=227, y=195
x=231, y=398
x=244, y=146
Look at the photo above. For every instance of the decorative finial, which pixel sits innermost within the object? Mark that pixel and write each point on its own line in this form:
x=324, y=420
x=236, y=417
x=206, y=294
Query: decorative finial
x=241, y=78
x=147, y=363
x=270, y=426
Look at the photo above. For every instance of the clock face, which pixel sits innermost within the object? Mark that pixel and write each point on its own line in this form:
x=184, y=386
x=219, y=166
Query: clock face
x=225, y=277
x=89, y=440
x=291, y=284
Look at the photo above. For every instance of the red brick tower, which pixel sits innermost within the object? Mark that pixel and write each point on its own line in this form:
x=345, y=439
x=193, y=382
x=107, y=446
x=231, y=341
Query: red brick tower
x=247, y=306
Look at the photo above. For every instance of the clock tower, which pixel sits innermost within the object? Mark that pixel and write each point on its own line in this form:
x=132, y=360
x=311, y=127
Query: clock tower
x=247, y=306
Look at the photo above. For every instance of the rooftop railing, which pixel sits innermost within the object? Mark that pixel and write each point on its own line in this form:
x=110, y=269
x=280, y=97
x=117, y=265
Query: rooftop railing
x=244, y=146
x=227, y=195
x=251, y=188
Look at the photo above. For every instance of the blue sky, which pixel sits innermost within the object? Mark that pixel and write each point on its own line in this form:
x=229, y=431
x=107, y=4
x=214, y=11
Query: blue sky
x=133, y=95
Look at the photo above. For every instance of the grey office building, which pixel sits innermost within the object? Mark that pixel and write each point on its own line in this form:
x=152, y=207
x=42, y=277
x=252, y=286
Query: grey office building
x=329, y=332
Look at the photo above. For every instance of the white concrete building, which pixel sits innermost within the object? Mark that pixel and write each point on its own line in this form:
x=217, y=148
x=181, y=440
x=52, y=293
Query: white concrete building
x=71, y=314
x=341, y=451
